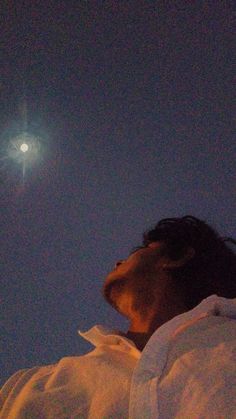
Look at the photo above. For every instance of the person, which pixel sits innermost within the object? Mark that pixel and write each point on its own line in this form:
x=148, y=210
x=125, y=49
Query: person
x=178, y=357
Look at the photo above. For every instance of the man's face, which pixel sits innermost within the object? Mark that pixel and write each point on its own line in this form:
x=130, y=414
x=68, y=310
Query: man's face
x=135, y=274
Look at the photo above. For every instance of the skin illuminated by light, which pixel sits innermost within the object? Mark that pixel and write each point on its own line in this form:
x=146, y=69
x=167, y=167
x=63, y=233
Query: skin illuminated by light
x=24, y=147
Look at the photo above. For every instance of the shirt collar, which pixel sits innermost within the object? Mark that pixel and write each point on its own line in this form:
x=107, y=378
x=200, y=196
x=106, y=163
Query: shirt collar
x=100, y=335
x=210, y=306
x=213, y=305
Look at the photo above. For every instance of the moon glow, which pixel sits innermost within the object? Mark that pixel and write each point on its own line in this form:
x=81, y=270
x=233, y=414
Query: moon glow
x=23, y=150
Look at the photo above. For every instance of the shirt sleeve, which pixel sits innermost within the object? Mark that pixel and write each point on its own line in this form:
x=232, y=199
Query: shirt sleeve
x=9, y=386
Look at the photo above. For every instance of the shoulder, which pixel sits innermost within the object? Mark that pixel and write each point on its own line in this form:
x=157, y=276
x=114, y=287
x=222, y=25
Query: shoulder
x=201, y=369
x=209, y=337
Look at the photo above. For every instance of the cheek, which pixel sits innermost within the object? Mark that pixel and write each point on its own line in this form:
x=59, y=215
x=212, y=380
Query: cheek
x=150, y=258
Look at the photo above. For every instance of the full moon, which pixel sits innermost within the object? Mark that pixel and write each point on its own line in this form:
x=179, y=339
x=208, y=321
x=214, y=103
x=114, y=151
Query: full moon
x=24, y=147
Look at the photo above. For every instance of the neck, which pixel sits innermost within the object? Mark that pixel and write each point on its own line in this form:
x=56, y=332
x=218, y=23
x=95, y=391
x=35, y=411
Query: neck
x=140, y=339
x=143, y=326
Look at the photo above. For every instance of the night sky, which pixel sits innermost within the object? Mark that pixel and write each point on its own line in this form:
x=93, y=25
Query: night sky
x=133, y=102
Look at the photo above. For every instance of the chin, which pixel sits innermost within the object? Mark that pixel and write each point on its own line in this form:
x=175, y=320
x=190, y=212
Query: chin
x=112, y=287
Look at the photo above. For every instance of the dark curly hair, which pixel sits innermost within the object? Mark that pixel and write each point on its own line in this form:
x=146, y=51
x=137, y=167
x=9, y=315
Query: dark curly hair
x=212, y=270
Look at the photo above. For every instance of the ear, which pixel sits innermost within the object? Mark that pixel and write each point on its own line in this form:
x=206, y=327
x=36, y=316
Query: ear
x=172, y=264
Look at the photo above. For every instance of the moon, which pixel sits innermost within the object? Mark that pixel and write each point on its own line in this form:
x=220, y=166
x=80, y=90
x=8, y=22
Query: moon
x=24, y=147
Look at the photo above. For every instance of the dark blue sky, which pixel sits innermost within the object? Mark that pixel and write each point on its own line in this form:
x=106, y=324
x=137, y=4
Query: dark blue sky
x=133, y=101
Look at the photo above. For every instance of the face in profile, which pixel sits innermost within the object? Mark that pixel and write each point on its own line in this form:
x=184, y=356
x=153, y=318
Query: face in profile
x=134, y=275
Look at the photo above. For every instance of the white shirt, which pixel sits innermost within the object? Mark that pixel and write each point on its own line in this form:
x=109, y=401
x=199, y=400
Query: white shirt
x=187, y=370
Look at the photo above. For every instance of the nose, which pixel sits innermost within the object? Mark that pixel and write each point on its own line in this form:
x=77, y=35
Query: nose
x=119, y=262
